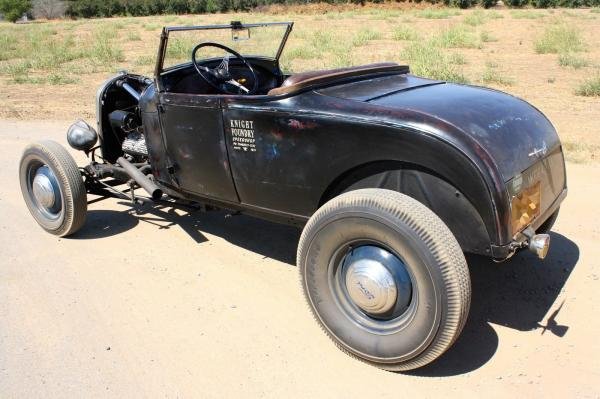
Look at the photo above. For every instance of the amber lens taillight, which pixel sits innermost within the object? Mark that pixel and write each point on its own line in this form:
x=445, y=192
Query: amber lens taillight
x=525, y=207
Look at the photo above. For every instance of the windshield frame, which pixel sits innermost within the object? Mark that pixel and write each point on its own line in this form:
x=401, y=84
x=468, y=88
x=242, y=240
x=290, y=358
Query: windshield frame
x=164, y=38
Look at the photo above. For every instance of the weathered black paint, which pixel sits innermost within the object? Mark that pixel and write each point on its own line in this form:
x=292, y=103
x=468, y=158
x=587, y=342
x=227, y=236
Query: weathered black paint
x=194, y=140
x=453, y=147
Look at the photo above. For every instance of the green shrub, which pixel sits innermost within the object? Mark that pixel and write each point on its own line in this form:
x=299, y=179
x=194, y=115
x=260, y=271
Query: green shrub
x=458, y=36
x=457, y=59
x=303, y=53
x=405, y=33
x=437, y=13
x=560, y=38
x=144, y=60
x=488, y=3
x=475, y=18
x=545, y=3
x=517, y=3
x=8, y=45
x=460, y=3
x=365, y=35
x=589, y=88
x=486, y=37
x=59, y=79
x=526, y=14
x=492, y=76
x=133, y=36
x=428, y=61
x=14, y=9
x=573, y=61
x=105, y=52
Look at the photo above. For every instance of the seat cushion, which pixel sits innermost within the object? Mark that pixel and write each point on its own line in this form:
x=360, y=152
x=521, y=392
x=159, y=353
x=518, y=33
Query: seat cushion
x=304, y=79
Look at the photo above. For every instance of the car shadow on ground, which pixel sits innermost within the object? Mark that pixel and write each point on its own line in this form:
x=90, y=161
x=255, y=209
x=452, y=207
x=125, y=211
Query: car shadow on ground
x=269, y=239
x=106, y=223
x=516, y=294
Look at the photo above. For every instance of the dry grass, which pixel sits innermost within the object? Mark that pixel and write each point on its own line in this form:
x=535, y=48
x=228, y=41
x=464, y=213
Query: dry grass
x=572, y=60
x=492, y=76
x=52, y=69
x=580, y=152
x=526, y=14
x=458, y=36
x=590, y=87
x=364, y=36
x=560, y=37
x=428, y=60
x=478, y=17
x=437, y=13
x=405, y=33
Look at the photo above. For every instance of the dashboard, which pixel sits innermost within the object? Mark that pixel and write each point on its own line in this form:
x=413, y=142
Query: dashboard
x=185, y=79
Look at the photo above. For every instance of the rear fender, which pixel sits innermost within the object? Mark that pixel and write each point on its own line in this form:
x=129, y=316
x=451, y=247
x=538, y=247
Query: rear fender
x=427, y=187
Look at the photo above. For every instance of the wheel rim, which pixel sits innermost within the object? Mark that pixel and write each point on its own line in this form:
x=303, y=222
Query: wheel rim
x=372, y=286
x=44, y=190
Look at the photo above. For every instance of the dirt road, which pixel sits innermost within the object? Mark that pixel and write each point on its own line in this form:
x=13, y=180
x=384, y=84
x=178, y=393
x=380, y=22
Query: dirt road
x=165, y=303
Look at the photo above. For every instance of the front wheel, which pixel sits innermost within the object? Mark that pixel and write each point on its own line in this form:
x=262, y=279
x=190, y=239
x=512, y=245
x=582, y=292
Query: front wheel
x=385, y=278
x=52, y=188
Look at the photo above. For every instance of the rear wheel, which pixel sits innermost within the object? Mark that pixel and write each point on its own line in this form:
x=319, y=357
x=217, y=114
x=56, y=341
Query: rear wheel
x=385, y=278
x=52, y=187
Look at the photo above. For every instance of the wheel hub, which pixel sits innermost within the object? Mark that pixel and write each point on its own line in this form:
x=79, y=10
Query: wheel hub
x=371, y=286
x=377, y=281
x=43, y=191
x=45, y=188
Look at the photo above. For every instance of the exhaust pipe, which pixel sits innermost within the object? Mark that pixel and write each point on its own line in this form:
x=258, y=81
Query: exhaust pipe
x=141, y=179
x=538, y=243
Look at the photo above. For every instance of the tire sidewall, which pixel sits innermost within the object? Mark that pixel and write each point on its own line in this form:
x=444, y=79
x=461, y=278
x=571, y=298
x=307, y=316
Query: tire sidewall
x=418, y=331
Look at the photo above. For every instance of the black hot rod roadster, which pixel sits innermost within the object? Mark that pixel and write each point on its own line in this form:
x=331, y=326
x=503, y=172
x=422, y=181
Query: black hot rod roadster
x=393, y=176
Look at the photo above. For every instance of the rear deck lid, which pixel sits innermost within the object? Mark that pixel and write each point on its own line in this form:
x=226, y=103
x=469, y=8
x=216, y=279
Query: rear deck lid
x=372, y=89
x=512, y=131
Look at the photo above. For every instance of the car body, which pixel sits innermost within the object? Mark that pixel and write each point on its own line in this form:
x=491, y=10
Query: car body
x=488, y=164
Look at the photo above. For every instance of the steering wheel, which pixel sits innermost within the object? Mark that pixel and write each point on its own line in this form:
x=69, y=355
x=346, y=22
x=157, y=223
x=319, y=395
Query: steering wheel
x=219, y=77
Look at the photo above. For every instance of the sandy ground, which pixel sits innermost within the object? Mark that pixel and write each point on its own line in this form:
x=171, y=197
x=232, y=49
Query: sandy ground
x=165, y=303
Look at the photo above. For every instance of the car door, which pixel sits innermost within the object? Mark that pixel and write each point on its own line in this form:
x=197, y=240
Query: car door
x=193, y=132
x=272, y=158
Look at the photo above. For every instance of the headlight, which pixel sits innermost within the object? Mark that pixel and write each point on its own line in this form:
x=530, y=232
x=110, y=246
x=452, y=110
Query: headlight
x=525, y=207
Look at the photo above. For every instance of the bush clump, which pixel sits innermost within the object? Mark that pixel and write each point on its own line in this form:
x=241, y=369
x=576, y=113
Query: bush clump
x=427, y=60
x=560, y=38
x=14, y=9
x=589, y=88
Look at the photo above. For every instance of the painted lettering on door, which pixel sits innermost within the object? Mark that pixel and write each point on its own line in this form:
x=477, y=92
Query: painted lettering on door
x=242, y=134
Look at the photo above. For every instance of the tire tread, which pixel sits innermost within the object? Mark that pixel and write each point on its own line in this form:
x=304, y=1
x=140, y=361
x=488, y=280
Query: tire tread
x=436, y=236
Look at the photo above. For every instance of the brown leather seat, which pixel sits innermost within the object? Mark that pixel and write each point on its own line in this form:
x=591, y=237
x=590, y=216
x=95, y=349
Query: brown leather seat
x=303, y=79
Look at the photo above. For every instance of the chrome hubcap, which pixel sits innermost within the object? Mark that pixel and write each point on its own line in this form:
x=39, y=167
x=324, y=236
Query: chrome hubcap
x=371, y=286
x=43, y=191
x=376, y=281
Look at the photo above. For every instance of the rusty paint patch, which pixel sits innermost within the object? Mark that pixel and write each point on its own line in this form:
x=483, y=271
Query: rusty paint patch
x=296, y=124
